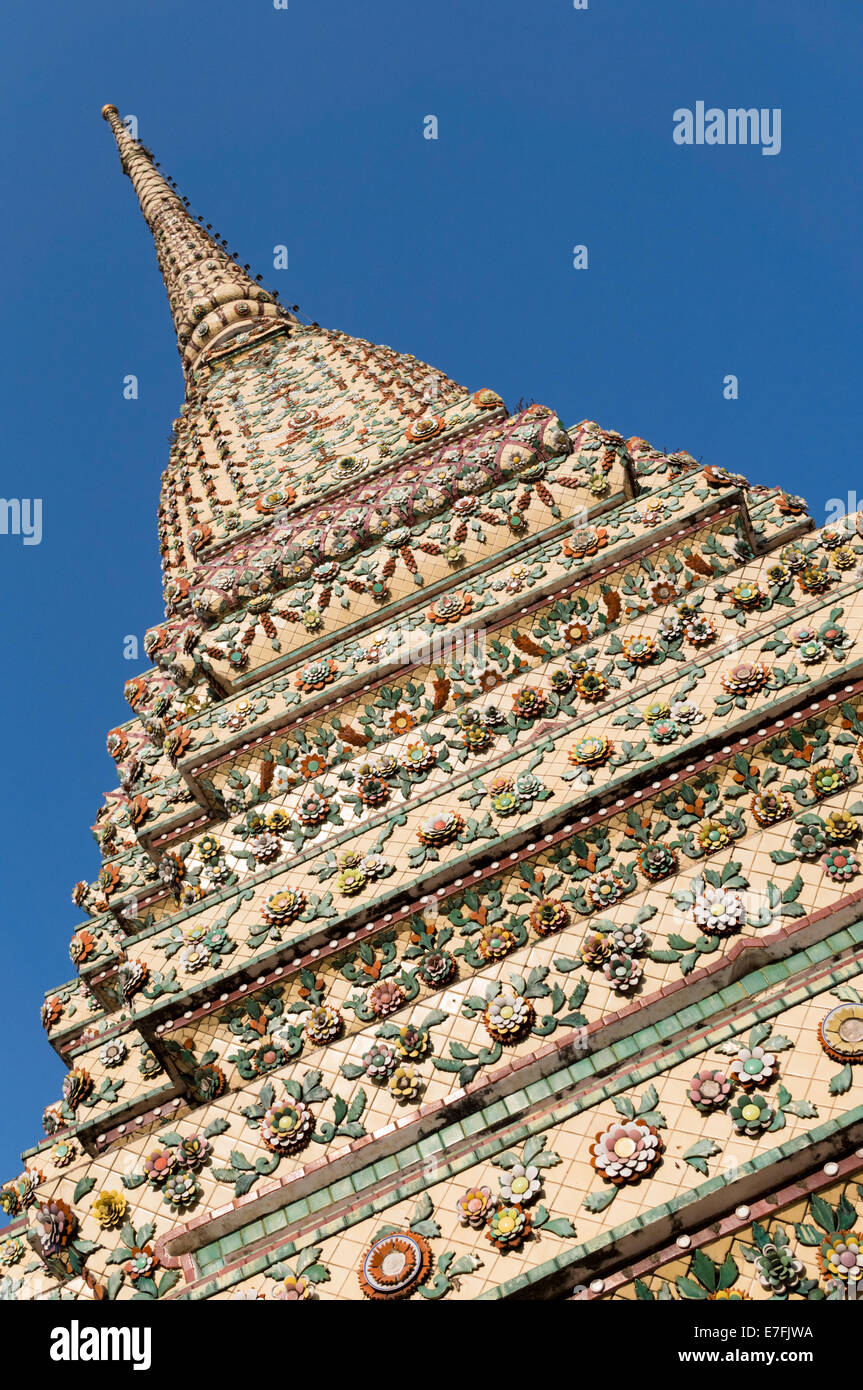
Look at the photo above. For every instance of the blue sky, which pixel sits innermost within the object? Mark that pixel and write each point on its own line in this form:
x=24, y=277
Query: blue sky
x=305, y=127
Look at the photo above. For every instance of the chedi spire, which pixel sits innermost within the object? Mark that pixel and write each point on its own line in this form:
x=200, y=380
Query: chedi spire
x=211, y=297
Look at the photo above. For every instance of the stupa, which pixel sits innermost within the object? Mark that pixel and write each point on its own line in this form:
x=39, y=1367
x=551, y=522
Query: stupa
x=480, y=911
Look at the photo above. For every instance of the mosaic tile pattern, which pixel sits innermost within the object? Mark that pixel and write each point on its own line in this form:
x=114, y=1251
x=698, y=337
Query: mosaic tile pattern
x=478, y=914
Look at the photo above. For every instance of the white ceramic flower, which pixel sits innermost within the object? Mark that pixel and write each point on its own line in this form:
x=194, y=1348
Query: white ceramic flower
x=718, y=911
x=281, y=779
x=113, y=1053
x=520, y=1184
x=193, y=958
x=625, y=1152
x=753, y=1067
x=685, y=712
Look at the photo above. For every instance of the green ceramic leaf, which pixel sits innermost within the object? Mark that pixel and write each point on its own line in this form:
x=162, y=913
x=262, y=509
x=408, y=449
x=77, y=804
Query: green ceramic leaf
x=705, y=1271
x=728, y=1273
x=841, y=1082
x=823, y=1214
x=808, y=1234
x=598, y=1201
x=624, y=1106
x=688, y=1288
x=560, y=1226
x=216, y=1127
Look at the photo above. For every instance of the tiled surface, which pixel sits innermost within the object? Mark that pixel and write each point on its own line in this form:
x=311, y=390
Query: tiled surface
x=335, y=519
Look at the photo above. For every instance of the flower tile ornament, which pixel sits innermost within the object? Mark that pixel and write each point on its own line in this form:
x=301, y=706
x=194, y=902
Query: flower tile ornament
x=380, y=1062
x=322, y=1025
x=752, y=1114
x=626, y=1152
x=768, y=808
x=596, y=948
x=474, y=1207
x=520, y=1184
x=403, y=1083
x=710, y=1090
x=181, y=1190
x=109, y=1209
x=385, y=998
x=411, y=1042
x=54, y=1223
x=548, y=916
x=286, y=1126
x=591, y=752
x=840, y=1033
x=622, y=972
x=509, y=1227
x=717, y=911
x=753, y=1067
x=840, y=1257
x=394, y=1265
x=777, y=1268
x=508, y=1017
x=840, y=863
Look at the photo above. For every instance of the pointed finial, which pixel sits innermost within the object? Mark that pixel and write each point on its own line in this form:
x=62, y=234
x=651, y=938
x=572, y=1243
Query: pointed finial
x=211, y=298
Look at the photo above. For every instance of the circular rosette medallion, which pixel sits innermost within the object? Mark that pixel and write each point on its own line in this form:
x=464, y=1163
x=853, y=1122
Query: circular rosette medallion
x=394, y=1265
x=287, y=1125
x=425, y=428
x=350, y=466
x=591, y=751
x=440, y=830
x=626, y=1152
x=486, y=399
x=841, y=1033
x=841, y=1257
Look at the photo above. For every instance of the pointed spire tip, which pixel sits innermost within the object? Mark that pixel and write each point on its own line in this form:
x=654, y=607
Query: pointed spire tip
x=212, y=299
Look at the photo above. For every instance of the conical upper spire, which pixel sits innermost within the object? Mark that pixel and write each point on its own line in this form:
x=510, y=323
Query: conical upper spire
x=211, y=298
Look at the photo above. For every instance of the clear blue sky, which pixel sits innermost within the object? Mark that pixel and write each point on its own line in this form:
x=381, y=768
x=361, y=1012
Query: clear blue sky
x=304, y=127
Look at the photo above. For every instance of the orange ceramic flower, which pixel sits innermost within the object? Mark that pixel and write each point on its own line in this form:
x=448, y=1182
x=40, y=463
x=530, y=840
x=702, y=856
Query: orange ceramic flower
x=424, y=428
x=401, y=721
x=313, y=765
x=639, y=650
x=394, y=1265
x=591, y=685
x=109, y=877
x=585, y=540
x=590, y=751
x=486, y=399
x=316, y=675
x=176, y=743
x=574, y=634
x=449, y=608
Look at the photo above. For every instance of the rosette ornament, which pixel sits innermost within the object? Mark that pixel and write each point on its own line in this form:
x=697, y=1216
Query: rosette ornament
x=394, y=1265
x=626, y=1152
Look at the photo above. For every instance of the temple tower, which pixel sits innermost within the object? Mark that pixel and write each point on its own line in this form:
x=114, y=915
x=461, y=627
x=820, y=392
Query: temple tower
x=478, y=906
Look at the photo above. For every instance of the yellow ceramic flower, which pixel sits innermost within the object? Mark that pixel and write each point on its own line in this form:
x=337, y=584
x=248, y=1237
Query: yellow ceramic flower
x=713, y=835
x=109, y=1208
x=841, y=825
